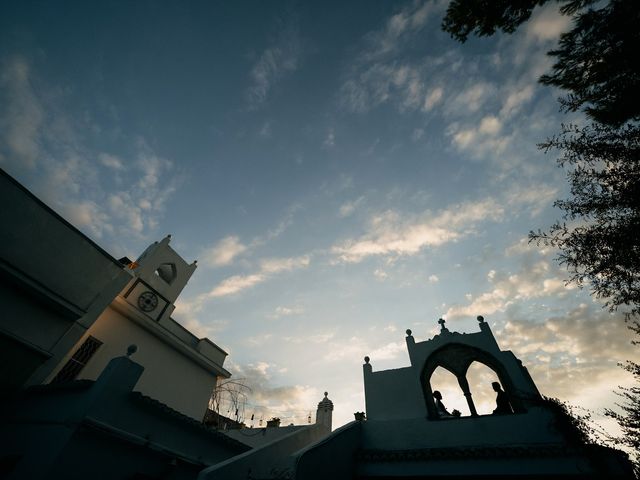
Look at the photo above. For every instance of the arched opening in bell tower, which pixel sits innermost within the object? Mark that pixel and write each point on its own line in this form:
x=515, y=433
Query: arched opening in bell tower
x=167, y=272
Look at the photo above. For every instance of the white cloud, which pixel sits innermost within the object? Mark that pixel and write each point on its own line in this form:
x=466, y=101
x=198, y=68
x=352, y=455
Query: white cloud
x=472, y=98
x=380, y=274
x=274, y=63
x=138, y=207
x=317, y=338
x=267, y=398
x=277, y=265
x=187, y=314
x=546, y=24
x=236, y=284
x=398, y=27
x=355, y=348
x=377, y=75
x=282, y=311
x=433, y=279
x=536, y=197
x=259, y=340
x=268, y=268
x=22, y=118
x=464, y=138
x=87, y=215
x=111, y=161
x=389, y=351
x=480, y=140
x=265, y=130
x=533, y=281
x=73, y=178
x=223, y=252
x=389, y=234
x=515, y=99
x=417, y=134
x=490, y=125
x=347, y=208
x=582, y=349
x=330, y=139
x=433, y=98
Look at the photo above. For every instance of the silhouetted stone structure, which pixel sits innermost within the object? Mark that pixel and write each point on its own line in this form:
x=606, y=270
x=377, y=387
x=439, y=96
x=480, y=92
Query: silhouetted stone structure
x=405, y=437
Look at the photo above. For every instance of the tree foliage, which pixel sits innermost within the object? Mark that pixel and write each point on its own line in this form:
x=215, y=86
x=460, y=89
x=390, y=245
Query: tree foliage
x=629, y=419
x=484, y=17
x=595, y=61
x=599, y=239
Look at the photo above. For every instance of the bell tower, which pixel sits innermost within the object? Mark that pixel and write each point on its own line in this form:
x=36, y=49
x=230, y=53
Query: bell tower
x=160, y=275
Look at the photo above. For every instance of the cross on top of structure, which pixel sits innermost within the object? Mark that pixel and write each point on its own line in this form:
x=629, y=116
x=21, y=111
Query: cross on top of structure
x=443, y=329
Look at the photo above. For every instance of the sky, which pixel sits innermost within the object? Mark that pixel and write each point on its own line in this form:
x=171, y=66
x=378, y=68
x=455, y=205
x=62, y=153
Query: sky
x=342, y=171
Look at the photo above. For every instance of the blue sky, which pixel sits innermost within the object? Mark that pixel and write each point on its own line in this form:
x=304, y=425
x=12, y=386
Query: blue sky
x=342, y=171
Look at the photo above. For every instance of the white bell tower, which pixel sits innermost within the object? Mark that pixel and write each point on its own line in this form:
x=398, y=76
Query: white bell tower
x=160, y=275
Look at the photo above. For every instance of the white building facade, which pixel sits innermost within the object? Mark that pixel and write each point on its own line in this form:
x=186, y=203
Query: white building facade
x=180, y=368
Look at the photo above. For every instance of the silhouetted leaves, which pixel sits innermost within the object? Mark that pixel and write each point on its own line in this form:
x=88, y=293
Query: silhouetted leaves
x=595, y=62
x=629, y=420
x=484, y=17
x=599, y=240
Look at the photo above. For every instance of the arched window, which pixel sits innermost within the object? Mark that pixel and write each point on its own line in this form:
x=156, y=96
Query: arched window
x=167, y=272
x=457, y=358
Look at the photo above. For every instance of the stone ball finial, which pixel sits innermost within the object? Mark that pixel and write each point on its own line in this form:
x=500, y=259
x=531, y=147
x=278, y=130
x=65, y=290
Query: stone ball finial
x=408, y=332
x=480, y=318
x=326, y=394
x=131, y=349
x=366, y=359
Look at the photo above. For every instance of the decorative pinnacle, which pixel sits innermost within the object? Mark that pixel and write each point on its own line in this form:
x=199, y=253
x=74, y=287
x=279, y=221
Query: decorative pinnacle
x=131, y=349
x=480, y=318
x=408, y=332
x=325, y=394
x=366, y=359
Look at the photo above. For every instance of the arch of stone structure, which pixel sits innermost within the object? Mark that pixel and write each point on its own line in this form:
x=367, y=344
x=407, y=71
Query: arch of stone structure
x=456, y=358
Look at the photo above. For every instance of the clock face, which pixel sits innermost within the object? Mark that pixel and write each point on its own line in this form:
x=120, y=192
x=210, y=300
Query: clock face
x=147, y=301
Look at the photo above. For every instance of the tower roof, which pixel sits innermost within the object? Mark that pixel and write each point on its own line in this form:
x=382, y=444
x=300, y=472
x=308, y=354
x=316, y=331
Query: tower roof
x=325, y=403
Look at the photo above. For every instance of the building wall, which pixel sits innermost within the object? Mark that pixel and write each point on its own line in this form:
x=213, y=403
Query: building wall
x=266, y=460
x=132, y=460
x=102, y=429
x=169, y=376
x=391, y=394
x=54, y=282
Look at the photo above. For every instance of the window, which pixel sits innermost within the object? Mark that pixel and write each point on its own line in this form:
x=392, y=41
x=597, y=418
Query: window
x=167, y=272
x=78, y=361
